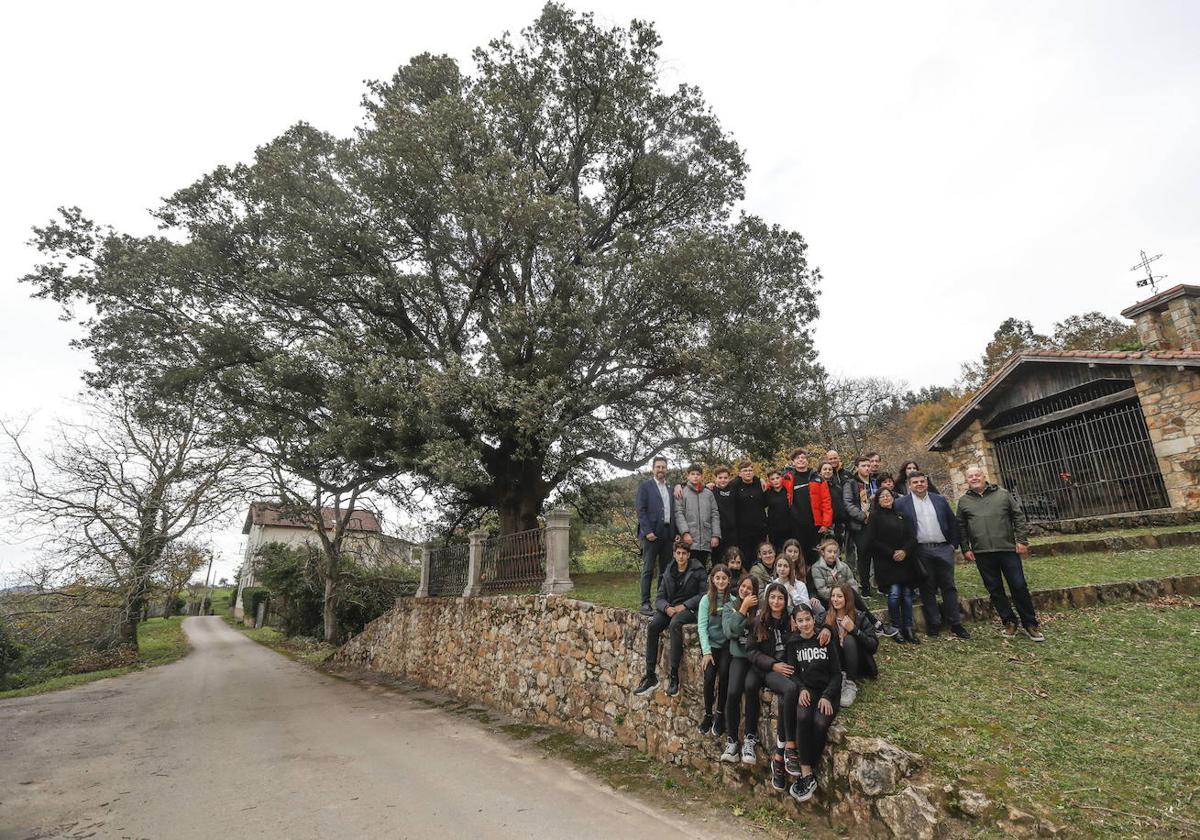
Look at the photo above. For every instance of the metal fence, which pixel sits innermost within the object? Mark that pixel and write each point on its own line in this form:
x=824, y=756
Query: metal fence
x=1102, y=462
x=514, y=561
x=448, y=569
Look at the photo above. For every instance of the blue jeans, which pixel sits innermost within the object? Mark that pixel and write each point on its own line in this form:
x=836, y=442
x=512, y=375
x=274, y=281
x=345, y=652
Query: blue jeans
x=900, y=600
x=998, y=567
x=655, y=556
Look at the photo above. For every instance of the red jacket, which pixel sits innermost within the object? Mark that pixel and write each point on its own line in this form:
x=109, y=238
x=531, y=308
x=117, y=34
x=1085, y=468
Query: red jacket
x=818, y=497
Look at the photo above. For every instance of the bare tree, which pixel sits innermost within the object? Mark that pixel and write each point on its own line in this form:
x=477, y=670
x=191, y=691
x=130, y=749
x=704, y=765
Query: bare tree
x=108, y=495
x=181, y=560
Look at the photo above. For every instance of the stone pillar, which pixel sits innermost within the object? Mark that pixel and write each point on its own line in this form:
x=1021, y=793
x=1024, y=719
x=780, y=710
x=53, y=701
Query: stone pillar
x=971, y=447
x=1170, y=400
x=558, y=552
x=423, y=588
x=475, y=565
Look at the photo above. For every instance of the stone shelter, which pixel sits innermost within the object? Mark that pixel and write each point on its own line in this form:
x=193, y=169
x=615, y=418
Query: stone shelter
x=1075, y=433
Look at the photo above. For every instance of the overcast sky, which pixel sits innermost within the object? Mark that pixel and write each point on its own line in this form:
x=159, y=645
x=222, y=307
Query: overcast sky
x=950, y=164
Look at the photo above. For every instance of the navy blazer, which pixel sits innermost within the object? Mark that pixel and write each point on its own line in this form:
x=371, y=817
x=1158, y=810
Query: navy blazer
x=650, y=514
x=947, y=521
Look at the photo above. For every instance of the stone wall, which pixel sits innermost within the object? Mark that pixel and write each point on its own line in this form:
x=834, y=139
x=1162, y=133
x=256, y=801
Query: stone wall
x=1171, y=403
x=573, y=665
x=970, y=447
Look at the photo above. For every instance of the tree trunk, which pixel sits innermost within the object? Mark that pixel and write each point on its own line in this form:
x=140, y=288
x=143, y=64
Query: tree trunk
x=519, y=512
x=329, y=604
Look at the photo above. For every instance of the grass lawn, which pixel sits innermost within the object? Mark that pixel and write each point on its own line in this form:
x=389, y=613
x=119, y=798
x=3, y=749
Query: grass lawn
x=222, y=600
x=620, y=589
x=160, y=640
x=314, y=653
x=1098, y=726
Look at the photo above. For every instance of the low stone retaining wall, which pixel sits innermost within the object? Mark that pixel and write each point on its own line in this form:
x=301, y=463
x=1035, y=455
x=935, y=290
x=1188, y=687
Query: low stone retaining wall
x=573, y=665
x=1168, y=539
x=1087, y=525
x=1087, y=595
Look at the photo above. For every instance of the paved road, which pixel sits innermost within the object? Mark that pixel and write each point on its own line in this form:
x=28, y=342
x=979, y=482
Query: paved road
x=236, y=740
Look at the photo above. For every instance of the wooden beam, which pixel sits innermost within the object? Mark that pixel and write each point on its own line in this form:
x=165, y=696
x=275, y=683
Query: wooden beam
x=1063, y=414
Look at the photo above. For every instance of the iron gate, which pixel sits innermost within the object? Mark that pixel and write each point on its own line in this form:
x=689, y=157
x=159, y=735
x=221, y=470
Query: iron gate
x=1099, y=463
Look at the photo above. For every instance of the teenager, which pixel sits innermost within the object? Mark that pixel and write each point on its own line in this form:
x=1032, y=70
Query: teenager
x=781, y=524
x=835, y=480
x=714, y=650
x=817, y=670
x=885, y=481
x=792, y=572
x=831, y=570
x=808, y=495
x=679, y=592
x=769, y=656
x=735, y=567
x=727, y=510
x=856, y=497
x=892, y=542
x=656, y=518
x=696, y=518
x=904, y=475
x=764, y=569
x=856, y=639
x=749, y=508
x=736, y=618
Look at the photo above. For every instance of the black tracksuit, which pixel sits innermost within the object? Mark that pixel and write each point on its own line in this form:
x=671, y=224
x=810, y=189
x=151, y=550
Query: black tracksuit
x=781, y=524
x=727, y=510
x=749, y=507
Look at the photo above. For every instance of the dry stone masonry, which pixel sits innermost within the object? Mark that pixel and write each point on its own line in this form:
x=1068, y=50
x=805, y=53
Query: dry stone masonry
x=573, y=665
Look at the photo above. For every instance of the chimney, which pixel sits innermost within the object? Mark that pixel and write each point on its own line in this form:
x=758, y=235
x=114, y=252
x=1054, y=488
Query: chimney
x=1170, y=320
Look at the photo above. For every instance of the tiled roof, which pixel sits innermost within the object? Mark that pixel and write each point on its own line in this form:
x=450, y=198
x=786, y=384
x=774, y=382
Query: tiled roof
x=271, y=516
x=1049, y=354
x=1161, y=299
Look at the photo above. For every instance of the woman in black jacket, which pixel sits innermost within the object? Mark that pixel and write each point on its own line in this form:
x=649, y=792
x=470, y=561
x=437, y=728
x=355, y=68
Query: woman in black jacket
x=817, y=670
x=768, y=655
x=892, y=543
x=856, y=639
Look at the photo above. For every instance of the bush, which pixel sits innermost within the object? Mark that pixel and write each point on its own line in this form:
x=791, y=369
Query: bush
x=291, y=574
x=251, y=597
x=10, y=654
x=102, y=660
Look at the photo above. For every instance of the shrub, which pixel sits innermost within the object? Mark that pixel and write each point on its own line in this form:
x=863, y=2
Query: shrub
x=10, y=654
x=251, y=597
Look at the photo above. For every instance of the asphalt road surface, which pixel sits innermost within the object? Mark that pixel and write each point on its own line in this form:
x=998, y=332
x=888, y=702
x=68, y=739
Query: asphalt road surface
x=235, y=740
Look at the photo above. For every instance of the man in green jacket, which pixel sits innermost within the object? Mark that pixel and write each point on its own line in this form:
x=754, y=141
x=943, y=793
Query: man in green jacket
x=995, y=540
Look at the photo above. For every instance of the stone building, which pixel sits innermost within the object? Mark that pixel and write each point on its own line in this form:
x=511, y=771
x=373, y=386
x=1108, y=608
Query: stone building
x=1092, y=433
x=268, y=523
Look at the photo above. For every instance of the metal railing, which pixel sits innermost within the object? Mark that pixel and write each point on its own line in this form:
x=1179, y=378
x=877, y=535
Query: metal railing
x=514, y=561
x=1100, y=463
x=537, y=559
x=448, y=569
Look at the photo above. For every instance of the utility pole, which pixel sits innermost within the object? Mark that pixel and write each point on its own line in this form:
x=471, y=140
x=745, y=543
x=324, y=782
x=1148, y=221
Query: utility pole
x=207, y=585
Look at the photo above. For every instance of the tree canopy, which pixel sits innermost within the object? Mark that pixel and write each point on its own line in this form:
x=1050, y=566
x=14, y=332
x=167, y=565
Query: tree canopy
x=504, y=276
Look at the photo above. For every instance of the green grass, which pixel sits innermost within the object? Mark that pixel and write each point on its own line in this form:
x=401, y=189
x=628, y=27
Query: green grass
x=307, y=651
x=1119, y=532
x=160, y=640
x=621, y=589
x=222, y=600
x=1097, y=727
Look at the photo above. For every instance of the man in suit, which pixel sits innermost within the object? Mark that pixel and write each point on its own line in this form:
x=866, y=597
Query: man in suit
x=937, y=537
x=655, y=513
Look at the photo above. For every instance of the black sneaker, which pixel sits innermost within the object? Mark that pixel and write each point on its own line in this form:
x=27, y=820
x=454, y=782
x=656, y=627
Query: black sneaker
x=705, y=726
x=910, y=636
x=646, y=609
x=718, y=727
x=791, y=761
x=865, y=591
x=778, y=773
x=646, y=687
x=887, y=629
x=672, y=685
x=803, y=789
x=898, y=638
x=933, y=631
x=960, y=631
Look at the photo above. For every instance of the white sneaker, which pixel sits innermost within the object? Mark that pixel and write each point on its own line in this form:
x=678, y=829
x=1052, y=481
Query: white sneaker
x=732, y=754
x=849, y=692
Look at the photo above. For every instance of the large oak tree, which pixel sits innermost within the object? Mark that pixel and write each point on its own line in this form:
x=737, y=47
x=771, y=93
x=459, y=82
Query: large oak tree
x=505, y=276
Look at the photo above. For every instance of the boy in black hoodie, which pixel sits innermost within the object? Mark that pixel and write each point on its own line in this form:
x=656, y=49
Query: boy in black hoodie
x=682, y=585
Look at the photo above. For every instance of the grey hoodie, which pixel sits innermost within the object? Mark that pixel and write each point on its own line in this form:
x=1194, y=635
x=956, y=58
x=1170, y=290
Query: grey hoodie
x=696, y=514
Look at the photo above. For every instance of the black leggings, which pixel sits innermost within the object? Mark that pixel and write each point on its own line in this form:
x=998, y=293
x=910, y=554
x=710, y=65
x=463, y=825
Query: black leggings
x=716, y=680
x=787, y=696
x=812, y=730
x=745, y=683
x=853, y=656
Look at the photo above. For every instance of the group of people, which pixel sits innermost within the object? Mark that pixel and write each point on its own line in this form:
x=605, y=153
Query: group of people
x=758, y=565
